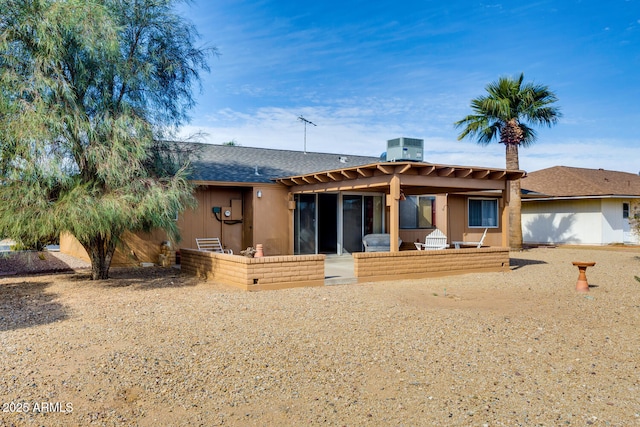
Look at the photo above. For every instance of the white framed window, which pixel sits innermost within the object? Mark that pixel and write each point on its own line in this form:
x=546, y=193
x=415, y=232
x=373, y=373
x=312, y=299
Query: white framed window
x=418, y=212
x=482, y=213
x=625, y=210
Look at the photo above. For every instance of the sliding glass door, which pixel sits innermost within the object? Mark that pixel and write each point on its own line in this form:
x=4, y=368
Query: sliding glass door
x=361, y=215
x=335, y=223
x=305, y=224
x=352, y=223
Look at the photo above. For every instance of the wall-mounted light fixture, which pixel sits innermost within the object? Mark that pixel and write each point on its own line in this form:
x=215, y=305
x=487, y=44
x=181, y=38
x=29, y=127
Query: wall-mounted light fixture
x=259, y=194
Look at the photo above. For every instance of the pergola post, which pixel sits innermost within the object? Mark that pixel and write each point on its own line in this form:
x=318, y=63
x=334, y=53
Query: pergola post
x=394, y=213
x=505, y=215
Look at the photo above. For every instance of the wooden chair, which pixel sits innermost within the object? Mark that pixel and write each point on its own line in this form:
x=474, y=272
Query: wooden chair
x=476, y=244
x=436, y=240
x=212, y=244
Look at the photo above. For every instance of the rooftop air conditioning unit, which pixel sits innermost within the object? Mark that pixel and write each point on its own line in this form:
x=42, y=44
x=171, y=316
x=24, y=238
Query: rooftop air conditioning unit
x=400, y=149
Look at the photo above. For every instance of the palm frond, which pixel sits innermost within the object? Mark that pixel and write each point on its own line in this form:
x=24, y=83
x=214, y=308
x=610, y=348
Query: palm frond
x=506, y=100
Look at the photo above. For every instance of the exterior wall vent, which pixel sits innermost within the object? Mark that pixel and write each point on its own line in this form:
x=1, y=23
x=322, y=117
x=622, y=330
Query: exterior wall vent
x=401, y=149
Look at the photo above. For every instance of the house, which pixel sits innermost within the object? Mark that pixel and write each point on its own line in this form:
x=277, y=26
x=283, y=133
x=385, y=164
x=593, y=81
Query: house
x=568, y=205
x=297, y=203
x=238, y=200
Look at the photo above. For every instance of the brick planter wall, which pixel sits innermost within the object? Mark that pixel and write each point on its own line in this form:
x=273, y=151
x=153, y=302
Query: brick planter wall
x=272, y=272
x=418, y=264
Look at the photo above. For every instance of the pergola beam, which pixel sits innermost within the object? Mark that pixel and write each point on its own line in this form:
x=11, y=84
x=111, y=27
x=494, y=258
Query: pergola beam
x=445, y=171
x=349, y=174
x=384, y=168
x=365, y=172
x=427, y=170
x=334, y=176
x=463, y=173
x=480, y=174
x=309, y=179
x=403, y=169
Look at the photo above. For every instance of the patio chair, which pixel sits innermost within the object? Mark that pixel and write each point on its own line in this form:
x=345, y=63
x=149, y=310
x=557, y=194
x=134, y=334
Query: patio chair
x=476, y=244
x=436, y=240
x=378, y=243
x=212, y=244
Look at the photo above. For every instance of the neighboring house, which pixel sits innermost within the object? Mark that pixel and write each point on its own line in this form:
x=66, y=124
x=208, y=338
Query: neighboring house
x=306, y=203
x=567, y=205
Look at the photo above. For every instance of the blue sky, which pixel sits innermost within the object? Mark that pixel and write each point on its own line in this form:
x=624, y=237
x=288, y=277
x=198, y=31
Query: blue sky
x=365, y=72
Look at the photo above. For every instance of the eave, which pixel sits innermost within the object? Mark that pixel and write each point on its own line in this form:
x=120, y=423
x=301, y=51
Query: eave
x=426, y=176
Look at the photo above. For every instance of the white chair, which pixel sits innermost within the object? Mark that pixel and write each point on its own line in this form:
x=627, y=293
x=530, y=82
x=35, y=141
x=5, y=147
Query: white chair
x=212, y=244
x=436, y=240
x=476, y=244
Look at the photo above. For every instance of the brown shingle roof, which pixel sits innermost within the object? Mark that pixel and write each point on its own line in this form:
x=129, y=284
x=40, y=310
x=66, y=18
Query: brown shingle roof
x=564, y=181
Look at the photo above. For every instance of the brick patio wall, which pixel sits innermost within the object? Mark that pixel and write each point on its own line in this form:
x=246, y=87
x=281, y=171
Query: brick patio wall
x=418, y=264
x=271, y=272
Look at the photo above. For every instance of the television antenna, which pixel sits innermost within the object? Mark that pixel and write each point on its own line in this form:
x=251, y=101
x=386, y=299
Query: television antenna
x=305, y=121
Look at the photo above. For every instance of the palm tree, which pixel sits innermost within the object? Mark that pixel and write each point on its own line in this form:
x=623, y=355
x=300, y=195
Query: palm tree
x=504, y=114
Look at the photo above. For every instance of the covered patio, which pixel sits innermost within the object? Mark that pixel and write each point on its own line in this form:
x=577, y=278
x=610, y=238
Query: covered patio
x=397, y=180
x=391, y=182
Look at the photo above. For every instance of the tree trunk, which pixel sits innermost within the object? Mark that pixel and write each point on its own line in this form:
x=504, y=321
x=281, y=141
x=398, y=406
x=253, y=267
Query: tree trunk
x=515, y=203
x=101, y=250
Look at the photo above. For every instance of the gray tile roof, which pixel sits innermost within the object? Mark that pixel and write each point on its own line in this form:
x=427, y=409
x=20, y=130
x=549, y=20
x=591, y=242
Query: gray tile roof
x=564, y=181
x=226, y=163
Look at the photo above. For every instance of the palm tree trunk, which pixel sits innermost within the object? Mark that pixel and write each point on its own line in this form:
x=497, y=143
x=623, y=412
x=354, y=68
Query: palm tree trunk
x=515, y=202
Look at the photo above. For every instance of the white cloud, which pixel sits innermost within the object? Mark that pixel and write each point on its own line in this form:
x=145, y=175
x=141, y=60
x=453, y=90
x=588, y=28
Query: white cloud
x=350, y=129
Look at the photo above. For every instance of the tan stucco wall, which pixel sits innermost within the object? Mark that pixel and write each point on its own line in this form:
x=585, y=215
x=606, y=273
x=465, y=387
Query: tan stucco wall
x=275, y=272
x=258, y=220
x=139, y=247
x=459, y=229
x=71, y=246
x=268, y=220
x=272, y=221
x=456, y=226
x=264, y=219
x=201, y=222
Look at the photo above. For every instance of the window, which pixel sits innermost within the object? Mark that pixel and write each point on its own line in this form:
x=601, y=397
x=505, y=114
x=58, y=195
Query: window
x=417, y=212
x=625, y=210
x=483, y=213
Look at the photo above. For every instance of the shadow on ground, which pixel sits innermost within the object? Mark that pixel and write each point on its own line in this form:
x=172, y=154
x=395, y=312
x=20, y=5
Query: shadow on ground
x=26, y=304
x=516, y=263
x=145, y=278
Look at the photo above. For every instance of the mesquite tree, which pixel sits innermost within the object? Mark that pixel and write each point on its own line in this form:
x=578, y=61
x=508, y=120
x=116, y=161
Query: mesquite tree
x=88, y=88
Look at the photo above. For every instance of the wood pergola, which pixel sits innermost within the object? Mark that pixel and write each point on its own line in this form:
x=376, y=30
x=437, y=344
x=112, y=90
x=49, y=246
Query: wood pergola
x=406, y=178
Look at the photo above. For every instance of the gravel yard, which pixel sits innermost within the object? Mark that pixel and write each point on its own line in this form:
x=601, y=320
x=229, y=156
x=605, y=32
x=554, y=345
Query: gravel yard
x=153, y=347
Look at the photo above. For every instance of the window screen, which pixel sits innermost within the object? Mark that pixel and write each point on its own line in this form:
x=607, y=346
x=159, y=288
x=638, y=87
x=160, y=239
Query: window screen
x=483, y=212
x=417, y=212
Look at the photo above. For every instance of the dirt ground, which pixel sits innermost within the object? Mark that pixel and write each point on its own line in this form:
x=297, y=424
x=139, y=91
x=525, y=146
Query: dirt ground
x=154, y=347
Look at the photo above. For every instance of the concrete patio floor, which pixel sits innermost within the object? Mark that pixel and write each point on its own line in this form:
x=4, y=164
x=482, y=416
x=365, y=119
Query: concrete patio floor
x=338, y=270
